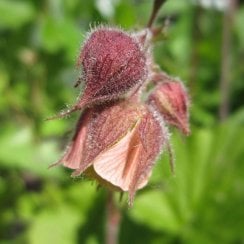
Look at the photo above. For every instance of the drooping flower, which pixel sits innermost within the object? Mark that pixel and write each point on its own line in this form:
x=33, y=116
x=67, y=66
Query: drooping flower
x=171, y=100
x=119, y=135
x=117, y=144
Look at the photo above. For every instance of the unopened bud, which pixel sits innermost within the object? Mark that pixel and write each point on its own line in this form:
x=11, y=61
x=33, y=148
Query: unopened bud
x=171, y=100
x=113, y=62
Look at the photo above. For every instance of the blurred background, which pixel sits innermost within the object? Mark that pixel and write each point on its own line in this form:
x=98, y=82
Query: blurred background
x=202, y=203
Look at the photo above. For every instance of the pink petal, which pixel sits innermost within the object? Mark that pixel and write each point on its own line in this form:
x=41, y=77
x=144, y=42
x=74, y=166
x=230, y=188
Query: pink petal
x=111, y=164
x=73, y=155
x=128, y=163
x=151, y=136
x=108, y=125
x=114, y=166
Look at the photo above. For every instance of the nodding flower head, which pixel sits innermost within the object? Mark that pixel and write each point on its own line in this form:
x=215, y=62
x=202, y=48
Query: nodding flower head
x=117, y=144
x=119, y=135
x=170, y=99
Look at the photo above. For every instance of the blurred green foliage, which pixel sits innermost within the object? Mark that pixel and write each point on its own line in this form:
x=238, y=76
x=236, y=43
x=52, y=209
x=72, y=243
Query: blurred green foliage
x=202, y=203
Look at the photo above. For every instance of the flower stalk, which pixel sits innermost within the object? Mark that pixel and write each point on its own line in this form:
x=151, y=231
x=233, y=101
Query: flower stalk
x=113, y=220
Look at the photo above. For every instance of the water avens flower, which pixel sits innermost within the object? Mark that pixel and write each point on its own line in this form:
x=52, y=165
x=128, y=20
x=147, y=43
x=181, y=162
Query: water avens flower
x=119, y=136
x=117, y=144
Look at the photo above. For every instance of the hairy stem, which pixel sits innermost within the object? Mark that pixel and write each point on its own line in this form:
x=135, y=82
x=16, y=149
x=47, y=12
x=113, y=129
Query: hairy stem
x=113, y=220
x=226, y=60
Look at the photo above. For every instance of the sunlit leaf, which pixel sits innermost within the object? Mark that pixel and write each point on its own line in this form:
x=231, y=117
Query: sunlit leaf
x=14, y=14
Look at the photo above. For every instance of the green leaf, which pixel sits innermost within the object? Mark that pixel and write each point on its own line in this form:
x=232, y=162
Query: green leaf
x=14, y=14
x=60, y=34
x=18, y=150
x=55, y=226
x=125, y=14
x=154, y=210
x=201, y=147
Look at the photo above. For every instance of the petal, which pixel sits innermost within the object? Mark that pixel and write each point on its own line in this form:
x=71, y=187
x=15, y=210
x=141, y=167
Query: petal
x=108, y=125
x=112, y=166
x=152, y=136
x=74, y=151
x=128, y=163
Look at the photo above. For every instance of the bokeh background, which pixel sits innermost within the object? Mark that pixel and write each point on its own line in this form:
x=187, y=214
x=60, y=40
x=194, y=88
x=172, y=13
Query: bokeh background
x=202, y=203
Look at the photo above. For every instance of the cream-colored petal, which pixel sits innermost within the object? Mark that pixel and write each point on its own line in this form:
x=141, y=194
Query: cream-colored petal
x=112, y=164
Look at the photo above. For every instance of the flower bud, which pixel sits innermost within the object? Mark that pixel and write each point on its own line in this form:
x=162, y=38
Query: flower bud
x=170, y=99
x=113, y=62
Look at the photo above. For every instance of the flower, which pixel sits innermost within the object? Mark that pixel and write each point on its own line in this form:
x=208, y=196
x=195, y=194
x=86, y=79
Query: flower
x=171, y=100
x=118, y=144
x=119, y=135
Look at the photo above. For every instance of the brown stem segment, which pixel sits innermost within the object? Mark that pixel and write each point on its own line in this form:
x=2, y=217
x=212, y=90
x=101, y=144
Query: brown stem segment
x=156, y=6
x=171, y=158
x=113, y=220
x=196, y=36
x=226, y=59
